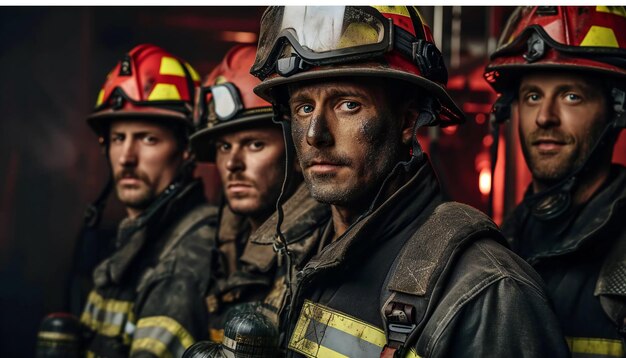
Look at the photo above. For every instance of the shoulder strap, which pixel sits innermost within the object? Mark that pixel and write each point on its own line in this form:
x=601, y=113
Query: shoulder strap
x=411, y=290
x=196, y=217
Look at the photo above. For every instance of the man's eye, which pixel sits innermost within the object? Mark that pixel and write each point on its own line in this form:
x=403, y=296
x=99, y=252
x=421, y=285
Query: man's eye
x=532, y=97
x=350, y=106
x=117, y=139
x=257, y=145
x=305, y=109
x=223, y=147
x=572, y=97
x=150, y=139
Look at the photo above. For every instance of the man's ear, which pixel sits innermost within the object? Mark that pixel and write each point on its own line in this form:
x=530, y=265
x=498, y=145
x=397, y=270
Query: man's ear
x=186, y=154
x=409, y=117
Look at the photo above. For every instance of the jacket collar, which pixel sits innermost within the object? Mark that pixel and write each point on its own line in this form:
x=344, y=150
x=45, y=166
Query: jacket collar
x=302, y=216
x=387, y=214
x=591, y=220
x=132, y=233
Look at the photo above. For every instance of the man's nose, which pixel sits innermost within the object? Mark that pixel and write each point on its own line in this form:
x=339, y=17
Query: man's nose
x=128, y=156
x=235, y=160
x=548, y=114
x=319, y=132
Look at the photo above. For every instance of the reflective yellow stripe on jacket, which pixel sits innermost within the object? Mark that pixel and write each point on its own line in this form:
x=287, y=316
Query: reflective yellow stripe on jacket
x=109, y=317
x=325, y=332
x=595, y=347
x=162, y=336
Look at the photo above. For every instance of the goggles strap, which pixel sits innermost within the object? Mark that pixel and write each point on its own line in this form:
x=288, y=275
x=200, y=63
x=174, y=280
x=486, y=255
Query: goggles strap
x=423, y=53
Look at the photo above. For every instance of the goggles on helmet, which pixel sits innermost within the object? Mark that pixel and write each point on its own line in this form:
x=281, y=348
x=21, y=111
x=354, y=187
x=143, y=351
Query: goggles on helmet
x=536, y=40
x=325, y=35
x=224, y=100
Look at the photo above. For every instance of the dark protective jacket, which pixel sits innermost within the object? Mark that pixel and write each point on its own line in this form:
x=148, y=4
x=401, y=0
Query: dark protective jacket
x=489, y=302
x=149, y=296
x=582, y=258
x=251, y=276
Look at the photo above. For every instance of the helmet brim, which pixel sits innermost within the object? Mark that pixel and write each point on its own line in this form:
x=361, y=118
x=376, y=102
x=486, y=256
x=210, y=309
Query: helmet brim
x=100, y=120
x=267, y=88
x=511, y=71
x=203, y=141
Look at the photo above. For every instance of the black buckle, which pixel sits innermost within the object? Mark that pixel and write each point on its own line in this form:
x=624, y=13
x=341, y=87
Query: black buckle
x=619, y=107
x=536, y=48
x=125, y=67
x=429, y=60
x=400, y=324
x=290, y=66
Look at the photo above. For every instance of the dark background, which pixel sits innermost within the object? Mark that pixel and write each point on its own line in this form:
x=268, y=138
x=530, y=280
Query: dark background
x=52, y=64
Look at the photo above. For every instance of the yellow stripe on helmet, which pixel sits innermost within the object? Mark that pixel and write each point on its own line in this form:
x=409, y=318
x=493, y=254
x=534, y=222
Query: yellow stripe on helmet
x=615, y=10
x=600, y=36
x=164, y=92
x=100, y=98
x=171, y=66
x=394, y=10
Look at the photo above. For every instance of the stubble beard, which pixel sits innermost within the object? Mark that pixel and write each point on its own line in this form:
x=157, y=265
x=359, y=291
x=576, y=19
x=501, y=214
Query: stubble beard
x=551, y=170
x=381, y=151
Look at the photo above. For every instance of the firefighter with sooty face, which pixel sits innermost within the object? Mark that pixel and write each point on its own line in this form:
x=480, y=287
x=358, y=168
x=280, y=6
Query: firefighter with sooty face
x=403, y=273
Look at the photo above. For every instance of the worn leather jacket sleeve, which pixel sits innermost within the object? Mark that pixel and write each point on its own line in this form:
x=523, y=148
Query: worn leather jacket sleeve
x=171, y=317
x=508, y=319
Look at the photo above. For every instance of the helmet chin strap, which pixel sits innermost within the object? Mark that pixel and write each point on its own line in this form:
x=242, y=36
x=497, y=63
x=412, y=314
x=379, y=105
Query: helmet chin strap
x=429, y=108
x=553, y=202
x=280, y=242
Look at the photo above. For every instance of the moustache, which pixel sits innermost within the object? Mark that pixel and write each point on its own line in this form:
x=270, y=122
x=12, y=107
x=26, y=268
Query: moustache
x=551, y=134
x=239, y=178
x=309, y=158
x=131, y=173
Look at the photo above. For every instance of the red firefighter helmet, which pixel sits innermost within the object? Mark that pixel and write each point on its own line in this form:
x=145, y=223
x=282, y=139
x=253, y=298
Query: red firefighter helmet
x=226, y=101
x=299, y=43
x=576, y=38
x=147, y=83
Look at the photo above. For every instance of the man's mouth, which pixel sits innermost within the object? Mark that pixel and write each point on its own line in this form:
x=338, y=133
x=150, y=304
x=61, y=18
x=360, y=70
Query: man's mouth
x=548, y=144
x=238, y=186
x=128, y=179
x=324, y=166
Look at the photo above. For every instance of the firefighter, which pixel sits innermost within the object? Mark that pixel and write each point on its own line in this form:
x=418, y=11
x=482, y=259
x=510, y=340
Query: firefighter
x=249, y=151
x=403, y=273
x=562, y=72
x=148, y=296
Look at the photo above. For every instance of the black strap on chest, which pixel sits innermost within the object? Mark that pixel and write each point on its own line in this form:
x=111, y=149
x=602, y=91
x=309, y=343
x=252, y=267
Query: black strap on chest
x=413, y=286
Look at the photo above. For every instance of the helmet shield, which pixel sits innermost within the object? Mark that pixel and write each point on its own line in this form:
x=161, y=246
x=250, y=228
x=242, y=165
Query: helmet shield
x=320, y=34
